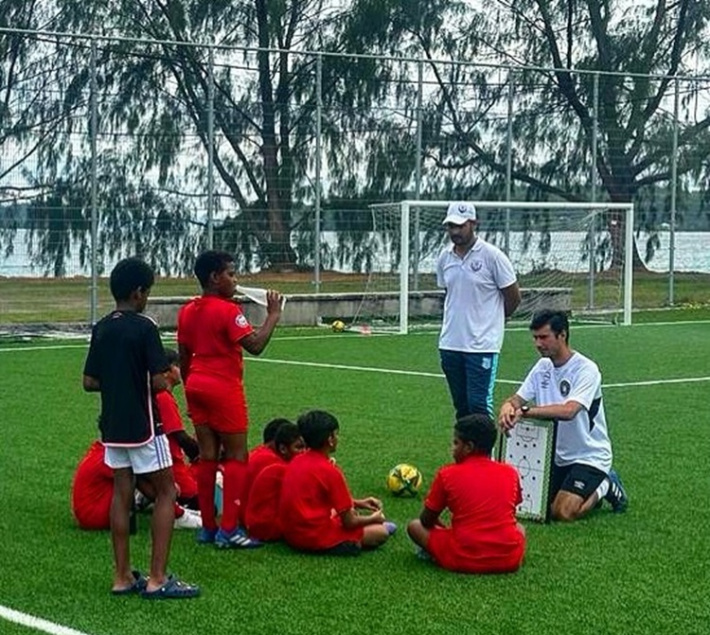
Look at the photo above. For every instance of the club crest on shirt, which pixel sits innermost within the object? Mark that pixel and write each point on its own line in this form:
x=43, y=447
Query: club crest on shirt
x=565, y=387
x=241, y=321
x=476, y=265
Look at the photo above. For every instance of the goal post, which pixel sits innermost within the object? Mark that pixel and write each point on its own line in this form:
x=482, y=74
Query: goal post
x=581, y=250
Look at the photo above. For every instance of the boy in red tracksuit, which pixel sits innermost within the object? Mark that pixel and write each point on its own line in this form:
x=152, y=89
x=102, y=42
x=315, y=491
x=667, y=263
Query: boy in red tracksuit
x=481, y=495
x=212, y=333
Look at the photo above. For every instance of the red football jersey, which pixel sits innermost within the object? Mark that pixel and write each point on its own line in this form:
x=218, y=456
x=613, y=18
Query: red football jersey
x=172, y=422
x=261, y=515
x=92, y=490
x=313, y=495
x=259, y=458
x=210, y=327
x=481, y=495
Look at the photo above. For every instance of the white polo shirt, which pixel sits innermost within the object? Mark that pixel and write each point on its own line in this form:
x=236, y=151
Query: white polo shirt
x=584, y=439
x=474, y=312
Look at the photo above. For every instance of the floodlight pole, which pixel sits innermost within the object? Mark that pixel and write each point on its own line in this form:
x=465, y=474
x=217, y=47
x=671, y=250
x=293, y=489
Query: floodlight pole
x=93, y=124
x=317, y=197
x=210, y=148
x=674, y=194
x=509, y=160
x=593, y=224
x=418, y=176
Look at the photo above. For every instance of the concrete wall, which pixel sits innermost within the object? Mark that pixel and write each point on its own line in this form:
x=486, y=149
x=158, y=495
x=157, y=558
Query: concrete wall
x=313, y=309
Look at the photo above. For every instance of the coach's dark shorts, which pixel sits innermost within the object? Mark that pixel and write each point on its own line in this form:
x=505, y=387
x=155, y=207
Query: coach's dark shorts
x=577, y=478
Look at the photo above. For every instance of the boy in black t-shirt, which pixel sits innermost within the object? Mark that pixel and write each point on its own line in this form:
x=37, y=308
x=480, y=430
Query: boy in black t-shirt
x=126, y=364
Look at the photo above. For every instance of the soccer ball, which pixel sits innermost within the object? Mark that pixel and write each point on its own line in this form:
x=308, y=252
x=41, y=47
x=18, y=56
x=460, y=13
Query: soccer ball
x=404, y=480
x=338, y=326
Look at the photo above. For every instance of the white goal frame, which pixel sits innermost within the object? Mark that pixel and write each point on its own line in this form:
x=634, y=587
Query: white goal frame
x=405, y=214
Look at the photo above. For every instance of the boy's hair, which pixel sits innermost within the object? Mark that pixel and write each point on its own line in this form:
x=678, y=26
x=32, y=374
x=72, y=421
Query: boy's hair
x=557, y=320
x=316, y=426
x=172, y=356
x=479, y=430
x=128, y=275
x=271, y=428
x=286, y=434
x=209, y=262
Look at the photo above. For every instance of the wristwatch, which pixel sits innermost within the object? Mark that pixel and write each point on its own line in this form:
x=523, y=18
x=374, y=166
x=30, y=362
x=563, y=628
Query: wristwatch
x=525, y=409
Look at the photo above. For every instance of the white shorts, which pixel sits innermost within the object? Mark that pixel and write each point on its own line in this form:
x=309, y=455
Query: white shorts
x=142, y=459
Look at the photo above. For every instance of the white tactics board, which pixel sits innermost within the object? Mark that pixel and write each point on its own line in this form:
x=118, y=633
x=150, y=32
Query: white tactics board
x=530, y=449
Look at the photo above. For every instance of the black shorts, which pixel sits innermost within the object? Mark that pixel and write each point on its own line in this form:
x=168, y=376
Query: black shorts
x=577, y=478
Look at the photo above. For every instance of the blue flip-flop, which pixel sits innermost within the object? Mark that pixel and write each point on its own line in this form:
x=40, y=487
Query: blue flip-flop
x=172, y=589
x=139, y=584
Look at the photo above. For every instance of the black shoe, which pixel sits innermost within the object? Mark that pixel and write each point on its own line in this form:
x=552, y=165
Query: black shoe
x=616, y=494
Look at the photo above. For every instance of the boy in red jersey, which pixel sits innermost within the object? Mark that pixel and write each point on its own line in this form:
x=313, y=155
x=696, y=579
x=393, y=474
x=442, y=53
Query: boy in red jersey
x=481, y=495
x=92, y=492
x=316, y=510
x=181, y=443
x=261, y=509
x=126, y=364
x=212, y=331
x=260, y=457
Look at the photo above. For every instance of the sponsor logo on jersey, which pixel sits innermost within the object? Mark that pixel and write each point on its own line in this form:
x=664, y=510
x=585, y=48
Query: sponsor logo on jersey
x=241, y=321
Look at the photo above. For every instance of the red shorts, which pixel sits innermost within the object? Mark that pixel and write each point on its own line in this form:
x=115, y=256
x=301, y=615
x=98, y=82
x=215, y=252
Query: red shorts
x=449, y=554
x=184, y=479
x=216, y=404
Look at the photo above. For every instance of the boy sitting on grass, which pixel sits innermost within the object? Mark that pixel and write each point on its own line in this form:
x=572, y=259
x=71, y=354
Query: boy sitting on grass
x=316, y=510
x=261, y=456
x=481, y=495
x=181, y=443
x=92, y=492
x=262, y=501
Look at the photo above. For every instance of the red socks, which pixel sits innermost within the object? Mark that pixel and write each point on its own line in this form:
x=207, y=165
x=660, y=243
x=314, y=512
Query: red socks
x=206, y=475
x=235, y=476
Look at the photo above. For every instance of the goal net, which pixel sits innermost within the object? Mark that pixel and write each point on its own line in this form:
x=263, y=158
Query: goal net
x=571, y=256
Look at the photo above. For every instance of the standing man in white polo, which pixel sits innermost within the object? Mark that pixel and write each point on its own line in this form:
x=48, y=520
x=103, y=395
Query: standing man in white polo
x=481, y=292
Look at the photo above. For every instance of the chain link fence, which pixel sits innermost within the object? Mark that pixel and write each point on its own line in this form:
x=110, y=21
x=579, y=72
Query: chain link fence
x=114, y=147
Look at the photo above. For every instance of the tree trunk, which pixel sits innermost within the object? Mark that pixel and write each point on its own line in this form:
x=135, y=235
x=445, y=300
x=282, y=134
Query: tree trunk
x=277, y=245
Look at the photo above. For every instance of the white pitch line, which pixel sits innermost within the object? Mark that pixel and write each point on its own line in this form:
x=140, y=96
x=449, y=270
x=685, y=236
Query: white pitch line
x=49, y=347
x=657, y=382
x=364, y=369
x=37, y=623
x=390, y=371
x=416, y=373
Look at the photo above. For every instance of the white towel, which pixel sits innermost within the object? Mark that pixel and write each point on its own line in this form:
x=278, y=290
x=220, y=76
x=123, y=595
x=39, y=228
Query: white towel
x=257, y=295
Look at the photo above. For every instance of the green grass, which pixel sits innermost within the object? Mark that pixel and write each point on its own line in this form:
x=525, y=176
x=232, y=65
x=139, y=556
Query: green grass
x=641, y=572
x=42, y=300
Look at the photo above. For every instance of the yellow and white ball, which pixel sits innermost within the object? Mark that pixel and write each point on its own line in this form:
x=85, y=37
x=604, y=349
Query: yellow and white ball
x=338, y=326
